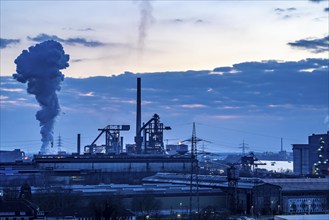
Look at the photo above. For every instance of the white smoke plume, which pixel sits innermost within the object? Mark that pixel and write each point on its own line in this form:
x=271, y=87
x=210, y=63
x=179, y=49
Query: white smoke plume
x=40, y=67
x=146, y=19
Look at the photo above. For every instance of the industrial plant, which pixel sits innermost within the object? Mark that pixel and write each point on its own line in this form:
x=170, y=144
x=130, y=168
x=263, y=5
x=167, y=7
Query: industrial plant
x=150, y=180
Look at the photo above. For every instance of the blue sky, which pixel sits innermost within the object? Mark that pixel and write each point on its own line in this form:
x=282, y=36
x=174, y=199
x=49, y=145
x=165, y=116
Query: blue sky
x=259, y=69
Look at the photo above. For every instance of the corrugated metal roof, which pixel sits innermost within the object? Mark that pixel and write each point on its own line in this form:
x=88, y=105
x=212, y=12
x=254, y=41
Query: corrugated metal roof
x=125, y=189
x=287, y=184
x=304, y=217
x=315, y=184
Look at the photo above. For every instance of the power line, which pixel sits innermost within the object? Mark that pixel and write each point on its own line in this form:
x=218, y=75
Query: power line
x=20, y=141
x=244, y=131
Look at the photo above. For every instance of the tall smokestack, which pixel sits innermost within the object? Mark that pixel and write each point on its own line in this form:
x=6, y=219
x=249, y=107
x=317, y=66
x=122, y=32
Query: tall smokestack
x=138, y=137
x=78, y=143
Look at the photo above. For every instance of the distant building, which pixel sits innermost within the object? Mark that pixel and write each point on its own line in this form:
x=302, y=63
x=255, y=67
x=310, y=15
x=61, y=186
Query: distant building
x=11, y=156
x=174, y=149
x=312, y=158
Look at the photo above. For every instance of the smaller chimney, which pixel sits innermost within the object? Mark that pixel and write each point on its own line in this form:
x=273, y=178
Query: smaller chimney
x=121, y=144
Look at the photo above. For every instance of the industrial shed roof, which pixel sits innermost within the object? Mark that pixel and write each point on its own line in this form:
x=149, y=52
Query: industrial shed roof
x=301, y=184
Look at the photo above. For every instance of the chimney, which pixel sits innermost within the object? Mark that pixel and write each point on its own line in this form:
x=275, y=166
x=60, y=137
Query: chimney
x=78, y=143
x=138, y=137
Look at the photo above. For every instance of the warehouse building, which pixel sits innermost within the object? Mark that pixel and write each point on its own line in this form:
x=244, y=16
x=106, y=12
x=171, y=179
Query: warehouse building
x=303, y=195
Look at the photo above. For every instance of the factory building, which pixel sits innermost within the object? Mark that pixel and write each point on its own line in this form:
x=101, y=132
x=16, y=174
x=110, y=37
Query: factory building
x=312, y=158
x=262, y=196
x=170, y=200
x=248, y=196
x=89, y=169
x=303, y=195
x=11, y=156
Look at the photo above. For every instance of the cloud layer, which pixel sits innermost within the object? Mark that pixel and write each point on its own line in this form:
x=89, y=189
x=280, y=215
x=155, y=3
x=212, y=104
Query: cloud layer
x=70, y=41
x=276, y=99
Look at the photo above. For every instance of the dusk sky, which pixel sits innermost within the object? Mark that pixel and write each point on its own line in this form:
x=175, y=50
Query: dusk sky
x=242, y=70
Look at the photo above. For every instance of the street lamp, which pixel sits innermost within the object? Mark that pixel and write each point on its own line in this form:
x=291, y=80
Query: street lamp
x=279, y=209
x=272, y=208
x=252, y=211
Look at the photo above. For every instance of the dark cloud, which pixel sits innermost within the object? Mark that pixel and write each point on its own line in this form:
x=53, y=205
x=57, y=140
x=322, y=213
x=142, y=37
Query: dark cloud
x=45, y=37
x=77, y=60
x=286, y=12
x=84, y=42
x=187, y=21
x=279, y=10
x=314, y=45
x=79, y=29
x=317, y=1
x=178, y=20
x=70, y=41
x=85, y=29
x=4, y=43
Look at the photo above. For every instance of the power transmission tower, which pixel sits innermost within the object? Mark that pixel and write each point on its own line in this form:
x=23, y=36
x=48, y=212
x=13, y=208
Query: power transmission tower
x=59, y=143
x=194, y=177
x=244, y=147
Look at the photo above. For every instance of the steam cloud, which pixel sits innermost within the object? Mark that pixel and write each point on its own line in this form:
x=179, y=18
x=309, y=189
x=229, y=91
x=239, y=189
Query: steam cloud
x=146, y=19
x=40, y=67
